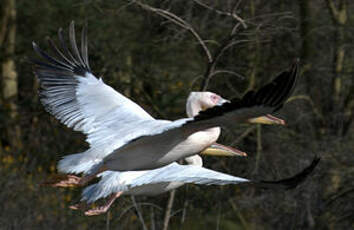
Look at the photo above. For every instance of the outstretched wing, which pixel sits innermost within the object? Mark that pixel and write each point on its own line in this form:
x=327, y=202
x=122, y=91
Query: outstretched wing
x=199, y=175
x=70, y=92
x=268, y=99
x=113, y=182
x=187, y=174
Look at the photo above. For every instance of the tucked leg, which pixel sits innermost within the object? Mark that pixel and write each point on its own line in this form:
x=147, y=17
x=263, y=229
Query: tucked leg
x=102, y=209
x=79, y=206
x=63, y=181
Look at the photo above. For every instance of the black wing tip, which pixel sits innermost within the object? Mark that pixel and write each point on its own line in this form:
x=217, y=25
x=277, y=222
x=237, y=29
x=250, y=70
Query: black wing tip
x=63, y=57
x=295, y=66
x=294, y=181
x=273, y=94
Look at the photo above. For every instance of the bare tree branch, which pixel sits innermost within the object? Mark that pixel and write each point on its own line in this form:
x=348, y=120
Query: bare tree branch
x=108, y=219
x=315, y=110
x=140, y=216
x=212, y=59
x=152, y=218
x=259, y=148
x=239, y=214
x=333, y=9
x=243, y=135
x=141, y=204
x=185, y=205
x=169, y=209
x=227, y=72
x=227, y=44
x=232, y=14
x=339, y=14
x=178, y=21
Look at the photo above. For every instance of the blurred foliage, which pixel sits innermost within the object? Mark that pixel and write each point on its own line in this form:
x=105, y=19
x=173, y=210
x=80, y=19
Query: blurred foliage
x=157, y=63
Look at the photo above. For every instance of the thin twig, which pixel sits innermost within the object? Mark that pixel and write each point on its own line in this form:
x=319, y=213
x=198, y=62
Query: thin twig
x=108, y=219
x=153, y=105
x=308, y=99
x=338, y=195
x=232, y=14
x=239, y=214
x=259, y=147
x=184, y=213
x=227, y=72
x=243, y=135
x=218, y=217
x=139, y=213
x=152, y=218
x=178, y=21
x=212, y=60
x=169, y=209
x=227, y=44
x=141, y=204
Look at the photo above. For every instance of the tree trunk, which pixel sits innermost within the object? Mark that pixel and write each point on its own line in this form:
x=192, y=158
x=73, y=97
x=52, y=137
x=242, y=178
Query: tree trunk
x=339, y=18
x=306, y=57
x=8, y=68
x=255, y=53
x=306, y=26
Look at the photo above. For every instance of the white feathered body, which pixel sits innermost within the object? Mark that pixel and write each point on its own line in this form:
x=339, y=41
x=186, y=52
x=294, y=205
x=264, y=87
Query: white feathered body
x=160, y=150
x=157, y=181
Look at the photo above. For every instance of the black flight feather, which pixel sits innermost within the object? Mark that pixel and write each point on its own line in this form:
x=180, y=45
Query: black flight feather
x=74, y=48
x=272, y=95
x=58, y=79
x=291, y=182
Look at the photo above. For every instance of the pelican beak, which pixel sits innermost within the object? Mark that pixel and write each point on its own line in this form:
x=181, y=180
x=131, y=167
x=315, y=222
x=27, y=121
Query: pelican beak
x=222, y=101
x=222, y=150
x=267, y=119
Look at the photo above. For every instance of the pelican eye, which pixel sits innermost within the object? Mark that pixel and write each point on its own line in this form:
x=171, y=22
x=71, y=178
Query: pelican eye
x=215, y=98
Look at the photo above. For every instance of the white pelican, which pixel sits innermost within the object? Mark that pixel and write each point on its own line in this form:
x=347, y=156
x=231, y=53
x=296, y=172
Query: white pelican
x=115, y=184
x=122, y=136
x=172, y=176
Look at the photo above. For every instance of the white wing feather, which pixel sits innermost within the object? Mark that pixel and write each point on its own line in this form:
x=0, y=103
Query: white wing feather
x=113, y=182
x=97, y=101
x=71, y=93
x=78, y=99
x=188, y=174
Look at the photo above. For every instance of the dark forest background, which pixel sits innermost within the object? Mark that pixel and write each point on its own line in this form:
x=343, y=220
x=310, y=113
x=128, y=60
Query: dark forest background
x=156, y=52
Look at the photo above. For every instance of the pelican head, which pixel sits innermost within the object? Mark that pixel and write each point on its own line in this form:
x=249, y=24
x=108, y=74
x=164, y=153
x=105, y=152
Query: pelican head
x=199, y=101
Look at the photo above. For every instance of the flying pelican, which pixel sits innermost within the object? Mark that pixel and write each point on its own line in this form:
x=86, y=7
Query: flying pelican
x=196, y=102
x=115, y=184
x=172, y=176
x=124, y=137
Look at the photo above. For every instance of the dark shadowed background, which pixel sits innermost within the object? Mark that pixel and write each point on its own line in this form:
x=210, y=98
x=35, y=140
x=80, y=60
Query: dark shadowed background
x=156, y=52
